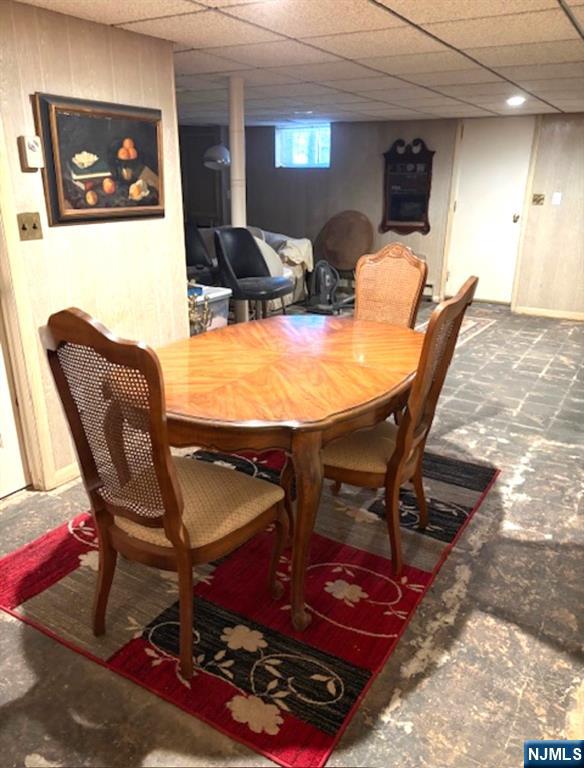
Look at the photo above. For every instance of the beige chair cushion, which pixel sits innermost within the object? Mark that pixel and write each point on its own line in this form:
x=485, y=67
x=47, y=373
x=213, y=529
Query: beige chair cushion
x=217, y=502
x=367, y=450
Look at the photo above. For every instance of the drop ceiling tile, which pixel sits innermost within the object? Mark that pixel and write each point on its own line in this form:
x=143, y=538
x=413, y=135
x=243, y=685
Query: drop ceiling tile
x=227, y=3
x=335, y=98
x=260, y=77
x=529, y=53
x=512, y=29
x=368, y=106
x=359, y=45
x=569, y=105
x=541, y=71
x=395, y=113
x=456, y=77
x=461, y=110
x=480, y=90
x=557, y=86
x=281, y=53
x=288, y=90
x=308, y=18
x=199, y=62
x=334, y=70
x=272, y=103
x=205, y=29
x=193, y=97
x=532, y=107
x=428, y=11
x=377, y=82
x=408, y=91
x=421, y=102
x=199, y=83
x=116, y=12
x=417, y=62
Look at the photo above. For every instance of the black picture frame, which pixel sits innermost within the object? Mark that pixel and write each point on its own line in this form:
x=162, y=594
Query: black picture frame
x=103, y=161
x=406, y=187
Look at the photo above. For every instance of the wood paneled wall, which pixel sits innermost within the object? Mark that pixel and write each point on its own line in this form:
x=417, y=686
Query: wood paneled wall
x=299, y=202
x=129, y=274
x=550, y=277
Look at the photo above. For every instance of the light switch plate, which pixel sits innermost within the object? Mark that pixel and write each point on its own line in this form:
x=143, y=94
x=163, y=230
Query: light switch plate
x=29, y=226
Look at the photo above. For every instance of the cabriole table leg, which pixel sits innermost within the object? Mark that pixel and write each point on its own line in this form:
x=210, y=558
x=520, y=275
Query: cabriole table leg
x=308, y=468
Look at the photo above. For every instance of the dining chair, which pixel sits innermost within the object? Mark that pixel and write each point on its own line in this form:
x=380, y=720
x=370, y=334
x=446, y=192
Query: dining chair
x=389, y=285
x=151, y=507
x=389, y=455
x=244, y=270
x=200, y=265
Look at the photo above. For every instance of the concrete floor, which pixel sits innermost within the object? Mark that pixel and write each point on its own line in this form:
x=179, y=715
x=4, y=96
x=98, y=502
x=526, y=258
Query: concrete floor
x=493, y=655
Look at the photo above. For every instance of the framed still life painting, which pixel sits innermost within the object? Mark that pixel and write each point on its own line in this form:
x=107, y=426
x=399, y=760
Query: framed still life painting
x=102, y=161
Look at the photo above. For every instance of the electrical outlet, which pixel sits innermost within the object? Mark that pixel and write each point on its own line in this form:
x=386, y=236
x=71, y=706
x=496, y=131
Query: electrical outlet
x=29, y=226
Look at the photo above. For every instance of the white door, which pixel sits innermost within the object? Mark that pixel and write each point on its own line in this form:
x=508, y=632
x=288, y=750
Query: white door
x=12, y=477
x=493, y=165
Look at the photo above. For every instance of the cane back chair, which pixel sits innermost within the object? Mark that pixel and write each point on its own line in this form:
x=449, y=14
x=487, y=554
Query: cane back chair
x=389, y=285
x=389, y=455
x=153, y=508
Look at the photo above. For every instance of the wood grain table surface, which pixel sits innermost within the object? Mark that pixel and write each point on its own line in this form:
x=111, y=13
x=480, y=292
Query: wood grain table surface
x=291, y=382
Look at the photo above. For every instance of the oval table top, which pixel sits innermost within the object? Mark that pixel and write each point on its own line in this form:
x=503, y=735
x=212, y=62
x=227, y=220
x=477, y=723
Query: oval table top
x=290, y=370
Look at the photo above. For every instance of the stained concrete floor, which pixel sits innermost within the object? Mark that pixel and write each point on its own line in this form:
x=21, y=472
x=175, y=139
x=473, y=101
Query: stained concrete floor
x=492, y=657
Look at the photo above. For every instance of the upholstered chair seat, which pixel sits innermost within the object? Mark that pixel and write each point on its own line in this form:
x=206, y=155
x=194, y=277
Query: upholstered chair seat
x=367, y=450
x=217, y=502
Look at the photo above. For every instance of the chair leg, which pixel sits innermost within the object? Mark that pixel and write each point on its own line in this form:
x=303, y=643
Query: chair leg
x=186, y=598
x=283, y=306
x=418, y=484
x=264, y=309
x=281, y=522
x=107, y=566
x=392, y=518
x=336, y=487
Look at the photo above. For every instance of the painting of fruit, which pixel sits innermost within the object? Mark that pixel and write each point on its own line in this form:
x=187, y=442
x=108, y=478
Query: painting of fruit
x=109, y=185
x=104, y=161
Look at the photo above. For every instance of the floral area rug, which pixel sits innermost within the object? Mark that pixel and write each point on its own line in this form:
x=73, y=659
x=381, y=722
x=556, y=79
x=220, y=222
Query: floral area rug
x=288, y=695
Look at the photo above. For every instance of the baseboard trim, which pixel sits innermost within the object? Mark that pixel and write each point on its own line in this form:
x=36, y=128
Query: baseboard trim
x=556, y=313
x=65, y=474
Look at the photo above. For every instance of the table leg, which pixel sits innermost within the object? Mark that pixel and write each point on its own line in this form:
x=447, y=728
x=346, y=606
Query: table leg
x=308, y=468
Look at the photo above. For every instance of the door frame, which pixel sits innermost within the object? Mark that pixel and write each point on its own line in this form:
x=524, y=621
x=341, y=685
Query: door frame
x=14, y=400
x=452, y=207
x=23, y=361
x=525, y=210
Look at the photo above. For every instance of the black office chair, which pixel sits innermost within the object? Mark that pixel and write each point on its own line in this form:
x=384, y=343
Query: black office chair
x=200, y=266
x=243, y=269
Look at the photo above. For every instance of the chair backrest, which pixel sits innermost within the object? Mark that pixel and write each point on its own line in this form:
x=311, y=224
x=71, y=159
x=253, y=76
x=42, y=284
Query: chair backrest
x=389, y=285
x=113, y=395
x=197, y=255
x=435, y=358
x=238, y=255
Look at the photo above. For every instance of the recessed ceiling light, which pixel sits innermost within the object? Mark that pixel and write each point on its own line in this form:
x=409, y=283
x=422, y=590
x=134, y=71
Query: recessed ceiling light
x=303, y=112
x=516, y=101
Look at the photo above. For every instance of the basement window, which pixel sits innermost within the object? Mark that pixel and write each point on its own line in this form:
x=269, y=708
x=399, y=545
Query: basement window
x=305, y=146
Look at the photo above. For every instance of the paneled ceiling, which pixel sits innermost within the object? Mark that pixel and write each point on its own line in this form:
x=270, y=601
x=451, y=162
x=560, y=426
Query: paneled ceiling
x=357, y=60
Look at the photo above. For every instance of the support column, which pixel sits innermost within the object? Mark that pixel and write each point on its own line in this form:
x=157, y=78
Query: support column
x=237, y=169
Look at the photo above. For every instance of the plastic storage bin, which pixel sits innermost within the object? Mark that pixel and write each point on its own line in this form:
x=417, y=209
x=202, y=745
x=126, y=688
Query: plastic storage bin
x=208, y=307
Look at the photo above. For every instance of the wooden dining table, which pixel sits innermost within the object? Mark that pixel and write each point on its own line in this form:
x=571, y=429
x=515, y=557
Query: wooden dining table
x=288, y=382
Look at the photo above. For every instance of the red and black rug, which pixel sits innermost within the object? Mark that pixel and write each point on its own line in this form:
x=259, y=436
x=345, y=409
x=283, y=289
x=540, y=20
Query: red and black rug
x=286, y=694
